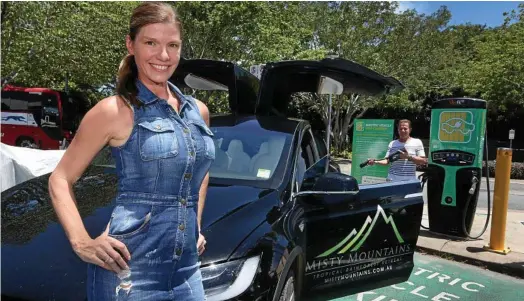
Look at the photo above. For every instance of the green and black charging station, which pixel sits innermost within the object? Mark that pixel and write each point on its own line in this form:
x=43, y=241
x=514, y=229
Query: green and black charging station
x=457, y=140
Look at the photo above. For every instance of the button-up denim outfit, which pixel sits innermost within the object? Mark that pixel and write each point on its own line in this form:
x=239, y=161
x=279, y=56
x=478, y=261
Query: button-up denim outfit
x=160, y=169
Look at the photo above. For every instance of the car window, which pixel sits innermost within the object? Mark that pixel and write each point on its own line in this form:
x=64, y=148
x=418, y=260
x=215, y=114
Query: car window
x=307, y=157
x=300, y=169
x=321, y=145
x=250, y=153
x=309, y=148
x=242, y=153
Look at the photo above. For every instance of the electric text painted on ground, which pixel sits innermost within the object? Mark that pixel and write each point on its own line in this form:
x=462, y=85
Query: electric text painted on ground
x=437, y=279
x=371, y=138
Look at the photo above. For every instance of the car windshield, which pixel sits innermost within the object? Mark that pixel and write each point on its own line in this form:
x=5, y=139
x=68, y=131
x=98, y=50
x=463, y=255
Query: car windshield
x=245, y=154
x=248, y=152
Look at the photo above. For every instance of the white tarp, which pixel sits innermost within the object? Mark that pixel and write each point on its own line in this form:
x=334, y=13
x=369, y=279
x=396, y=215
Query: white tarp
x=20, y=164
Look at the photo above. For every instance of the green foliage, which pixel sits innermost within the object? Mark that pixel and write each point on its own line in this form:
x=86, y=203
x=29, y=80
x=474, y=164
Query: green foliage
x=497, y=68
x=47, y=43
x=404, y=45
x=248, y=32
x=345, y=154
x=43, y=42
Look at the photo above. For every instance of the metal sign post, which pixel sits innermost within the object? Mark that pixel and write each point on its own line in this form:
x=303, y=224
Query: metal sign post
x=328, y=132
x=511, y=137
x=329, y=86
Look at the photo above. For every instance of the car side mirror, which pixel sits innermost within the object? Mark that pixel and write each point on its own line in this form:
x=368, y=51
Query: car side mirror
x=337, y=182
x=330, y=191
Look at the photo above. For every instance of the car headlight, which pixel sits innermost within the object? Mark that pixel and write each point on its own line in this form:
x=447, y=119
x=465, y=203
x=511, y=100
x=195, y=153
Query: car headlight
x=230, y=279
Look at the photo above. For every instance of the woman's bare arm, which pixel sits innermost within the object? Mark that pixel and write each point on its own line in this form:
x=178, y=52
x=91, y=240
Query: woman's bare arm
x=204, y=111
x=203, y=188
x=100, y=126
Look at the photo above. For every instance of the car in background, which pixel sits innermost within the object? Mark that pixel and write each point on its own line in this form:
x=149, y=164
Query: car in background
x=281, y=221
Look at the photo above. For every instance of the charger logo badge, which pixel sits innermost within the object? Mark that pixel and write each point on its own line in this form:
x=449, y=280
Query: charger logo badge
x=360, y=126
x=456, y=126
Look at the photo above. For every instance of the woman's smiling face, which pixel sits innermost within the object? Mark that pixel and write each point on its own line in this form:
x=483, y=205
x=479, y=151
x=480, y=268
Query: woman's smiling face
x=156, y=49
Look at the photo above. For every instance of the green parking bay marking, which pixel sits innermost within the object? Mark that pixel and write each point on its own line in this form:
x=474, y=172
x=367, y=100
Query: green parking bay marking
x=437, y=279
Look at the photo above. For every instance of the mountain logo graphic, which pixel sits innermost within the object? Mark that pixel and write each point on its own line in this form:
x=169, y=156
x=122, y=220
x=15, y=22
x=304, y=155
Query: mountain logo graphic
x=355, y=239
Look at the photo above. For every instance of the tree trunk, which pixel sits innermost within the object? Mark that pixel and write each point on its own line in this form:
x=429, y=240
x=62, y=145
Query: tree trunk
x=4, y=10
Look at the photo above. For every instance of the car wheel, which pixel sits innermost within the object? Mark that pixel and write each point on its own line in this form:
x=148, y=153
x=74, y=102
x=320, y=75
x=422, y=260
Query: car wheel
x=26, y=142
x=288, y=292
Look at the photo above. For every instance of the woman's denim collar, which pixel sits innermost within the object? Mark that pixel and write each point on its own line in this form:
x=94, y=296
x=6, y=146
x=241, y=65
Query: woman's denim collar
x=145, y=96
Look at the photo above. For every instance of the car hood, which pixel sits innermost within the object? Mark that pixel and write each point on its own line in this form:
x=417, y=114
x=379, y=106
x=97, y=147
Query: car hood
x=27, y=212
x=231, y=214
x=38, y=262
x=30, y=226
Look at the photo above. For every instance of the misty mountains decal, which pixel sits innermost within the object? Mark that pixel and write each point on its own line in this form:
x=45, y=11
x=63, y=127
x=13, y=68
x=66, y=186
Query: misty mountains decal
x=355, y=239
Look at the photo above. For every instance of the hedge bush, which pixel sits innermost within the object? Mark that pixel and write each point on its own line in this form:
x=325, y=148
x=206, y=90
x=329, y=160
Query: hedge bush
x=517, y=169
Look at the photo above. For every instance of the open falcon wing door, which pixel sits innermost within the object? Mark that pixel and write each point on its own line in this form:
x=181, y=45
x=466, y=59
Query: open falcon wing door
x=280, y=80
x=212, y=75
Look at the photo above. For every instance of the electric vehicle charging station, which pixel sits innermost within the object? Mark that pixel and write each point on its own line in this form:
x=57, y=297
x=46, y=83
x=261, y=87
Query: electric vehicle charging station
x=457, y=141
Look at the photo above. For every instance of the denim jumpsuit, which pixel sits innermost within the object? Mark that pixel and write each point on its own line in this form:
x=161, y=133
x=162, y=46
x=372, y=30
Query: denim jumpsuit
x=160, y=169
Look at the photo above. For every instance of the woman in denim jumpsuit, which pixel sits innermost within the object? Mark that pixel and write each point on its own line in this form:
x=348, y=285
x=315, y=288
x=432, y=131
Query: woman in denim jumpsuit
x=163, y=149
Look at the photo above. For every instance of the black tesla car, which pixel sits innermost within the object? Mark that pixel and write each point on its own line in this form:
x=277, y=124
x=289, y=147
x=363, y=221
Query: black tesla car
x=281, y=221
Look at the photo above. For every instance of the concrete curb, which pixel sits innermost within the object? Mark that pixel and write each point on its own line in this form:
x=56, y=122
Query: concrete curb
x=514, y=270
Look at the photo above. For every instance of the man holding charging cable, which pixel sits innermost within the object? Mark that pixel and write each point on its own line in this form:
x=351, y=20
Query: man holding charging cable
x=410, y=153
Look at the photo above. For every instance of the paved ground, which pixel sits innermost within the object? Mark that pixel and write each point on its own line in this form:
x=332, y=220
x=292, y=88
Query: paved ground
x=437, y=279
x=472, y=251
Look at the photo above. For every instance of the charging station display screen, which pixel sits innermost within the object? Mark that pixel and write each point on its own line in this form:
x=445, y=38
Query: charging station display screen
x=454, y=158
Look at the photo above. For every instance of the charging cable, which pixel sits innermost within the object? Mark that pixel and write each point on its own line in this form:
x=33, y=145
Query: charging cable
x=472, y=192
